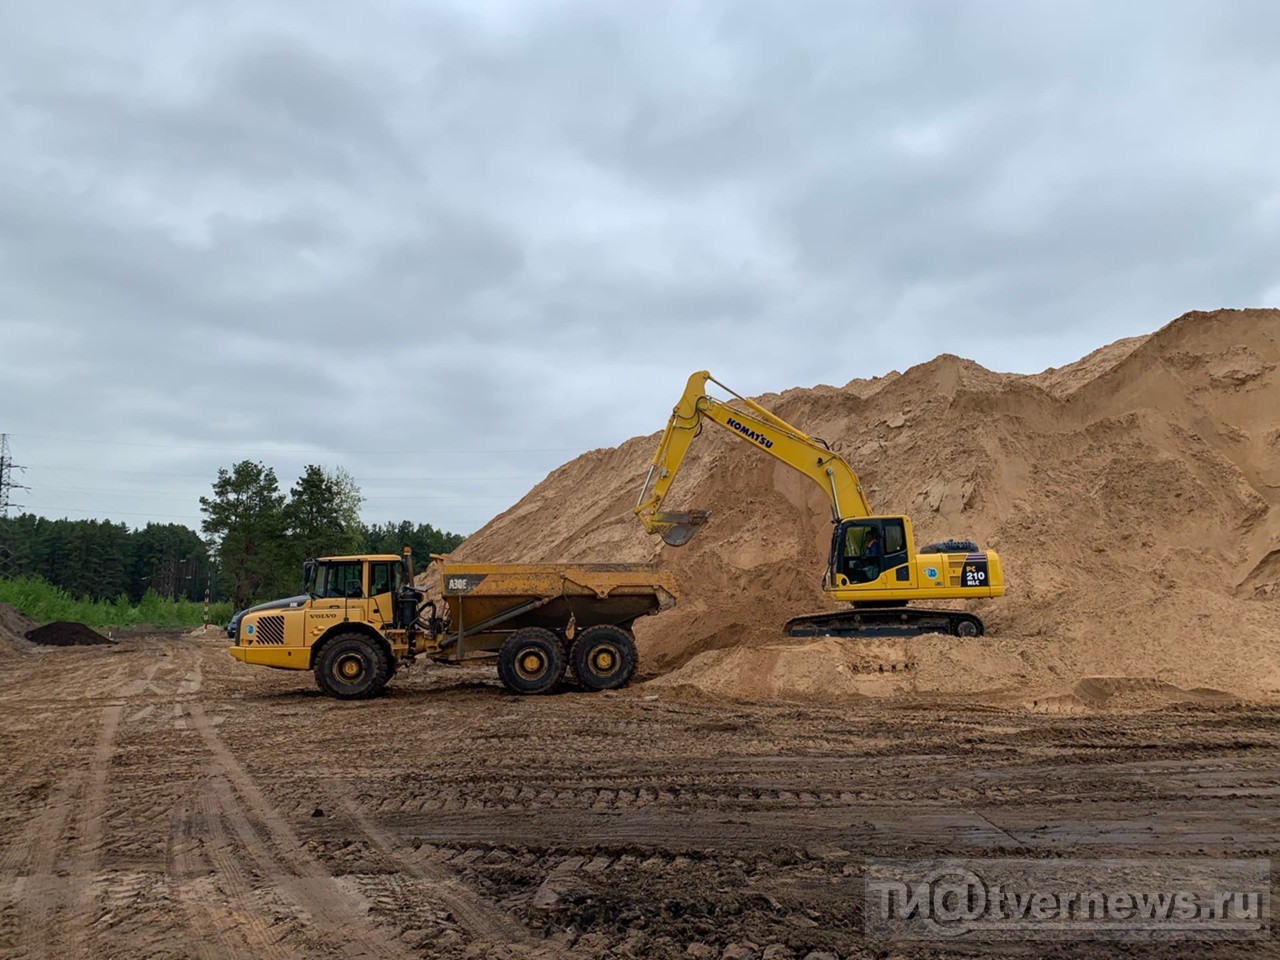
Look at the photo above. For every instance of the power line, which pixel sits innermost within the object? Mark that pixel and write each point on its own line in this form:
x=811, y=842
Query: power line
x=205, y=475
x=159, y=496
x=271, y=450
x=189, y=519
x=7, y=483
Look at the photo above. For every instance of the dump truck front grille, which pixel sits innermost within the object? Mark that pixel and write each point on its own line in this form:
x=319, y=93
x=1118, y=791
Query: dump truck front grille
x=270, y=630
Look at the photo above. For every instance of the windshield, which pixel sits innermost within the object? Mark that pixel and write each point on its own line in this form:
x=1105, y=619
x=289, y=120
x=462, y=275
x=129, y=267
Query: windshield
x=338, y=580
x=862, y=540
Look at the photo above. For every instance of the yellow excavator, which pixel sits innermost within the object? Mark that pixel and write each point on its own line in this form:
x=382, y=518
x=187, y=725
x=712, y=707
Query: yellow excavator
x=873, y=563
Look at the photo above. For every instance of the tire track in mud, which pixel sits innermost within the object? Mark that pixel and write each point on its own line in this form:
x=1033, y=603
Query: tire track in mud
x=218, y=897
x=217, y=894
x=183, y=868
x=282, y=858
x=33, y=858
x=428, y=800
x=53, y=869
x=476, y=915
x=90, y=829
x=41, y=895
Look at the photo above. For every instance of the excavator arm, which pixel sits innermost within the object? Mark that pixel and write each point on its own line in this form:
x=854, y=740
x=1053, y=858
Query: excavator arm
x=758, y=427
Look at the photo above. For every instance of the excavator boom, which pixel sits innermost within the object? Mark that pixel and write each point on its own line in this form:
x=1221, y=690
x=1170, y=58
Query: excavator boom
x=761, y=429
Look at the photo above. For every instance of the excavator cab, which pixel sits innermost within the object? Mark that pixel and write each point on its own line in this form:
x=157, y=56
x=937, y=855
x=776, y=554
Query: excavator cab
x=866, y=548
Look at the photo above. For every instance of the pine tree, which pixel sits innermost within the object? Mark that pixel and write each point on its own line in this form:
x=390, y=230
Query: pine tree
x=423, y=539
x=323, y=514
x=245, y=519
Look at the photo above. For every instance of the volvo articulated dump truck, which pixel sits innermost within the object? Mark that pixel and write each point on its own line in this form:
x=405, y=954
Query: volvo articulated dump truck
x=361, y=617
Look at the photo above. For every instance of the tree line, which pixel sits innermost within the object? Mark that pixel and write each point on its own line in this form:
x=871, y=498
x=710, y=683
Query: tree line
x=260, y=535
x=101, y=560
x=255, y=539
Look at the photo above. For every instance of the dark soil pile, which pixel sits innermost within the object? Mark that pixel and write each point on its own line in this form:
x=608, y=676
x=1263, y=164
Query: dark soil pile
x=64, y=633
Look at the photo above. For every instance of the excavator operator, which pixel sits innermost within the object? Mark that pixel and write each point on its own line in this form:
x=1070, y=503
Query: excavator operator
x=866, y=565
x=873, y=547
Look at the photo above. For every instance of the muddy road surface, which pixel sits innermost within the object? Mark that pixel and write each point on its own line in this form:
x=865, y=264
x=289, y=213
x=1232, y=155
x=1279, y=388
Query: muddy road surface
x=159, y=800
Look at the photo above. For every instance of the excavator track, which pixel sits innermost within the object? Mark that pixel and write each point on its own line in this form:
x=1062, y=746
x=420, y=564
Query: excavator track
x=885, y=622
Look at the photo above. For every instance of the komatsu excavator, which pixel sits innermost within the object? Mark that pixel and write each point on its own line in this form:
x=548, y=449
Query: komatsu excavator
x=873, y=564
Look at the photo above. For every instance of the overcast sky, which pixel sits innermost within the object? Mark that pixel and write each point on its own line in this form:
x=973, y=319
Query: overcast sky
x=449, y=246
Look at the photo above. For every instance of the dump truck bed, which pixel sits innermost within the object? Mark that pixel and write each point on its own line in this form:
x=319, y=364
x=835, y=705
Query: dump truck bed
x=487, y=602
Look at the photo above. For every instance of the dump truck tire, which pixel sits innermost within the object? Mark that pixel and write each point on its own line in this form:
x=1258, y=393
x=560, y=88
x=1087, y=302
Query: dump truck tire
x=351, y=666
x=531, y=660
x=604, y=658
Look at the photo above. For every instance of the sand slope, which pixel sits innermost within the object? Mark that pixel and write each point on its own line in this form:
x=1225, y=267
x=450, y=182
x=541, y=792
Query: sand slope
x=1133, y=496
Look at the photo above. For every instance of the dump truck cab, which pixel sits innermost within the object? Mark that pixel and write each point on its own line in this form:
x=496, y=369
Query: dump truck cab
x=356, y=594
x=360, y=589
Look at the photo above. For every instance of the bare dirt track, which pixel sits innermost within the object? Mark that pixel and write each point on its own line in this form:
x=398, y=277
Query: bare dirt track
x=160, y=800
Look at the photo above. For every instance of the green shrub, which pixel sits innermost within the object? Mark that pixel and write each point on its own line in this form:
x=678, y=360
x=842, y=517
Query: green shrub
x=42, y=601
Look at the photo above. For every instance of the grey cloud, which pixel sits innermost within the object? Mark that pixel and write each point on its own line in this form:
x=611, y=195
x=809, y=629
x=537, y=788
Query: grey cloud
x=511, y=227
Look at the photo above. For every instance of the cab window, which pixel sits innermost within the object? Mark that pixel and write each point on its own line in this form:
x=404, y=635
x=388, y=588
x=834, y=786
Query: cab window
x=863, y=550
x=382, y=578
x=855, y=539
x=339, y=580
x=895, y=538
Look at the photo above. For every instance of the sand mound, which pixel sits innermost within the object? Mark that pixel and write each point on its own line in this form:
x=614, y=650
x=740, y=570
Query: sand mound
x=64, y=633
x=1133, y=496
x=14, y=625
x=1102, y=694
x=822, y=670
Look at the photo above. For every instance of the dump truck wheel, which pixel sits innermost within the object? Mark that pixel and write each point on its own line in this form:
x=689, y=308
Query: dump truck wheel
x=531, y=661
x=604, y=658
x=351, y=667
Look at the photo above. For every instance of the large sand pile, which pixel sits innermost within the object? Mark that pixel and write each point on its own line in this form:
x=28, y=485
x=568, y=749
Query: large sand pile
x=1133, y=496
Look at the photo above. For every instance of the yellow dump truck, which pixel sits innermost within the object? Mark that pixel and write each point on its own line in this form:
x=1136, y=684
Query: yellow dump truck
x=361, y=617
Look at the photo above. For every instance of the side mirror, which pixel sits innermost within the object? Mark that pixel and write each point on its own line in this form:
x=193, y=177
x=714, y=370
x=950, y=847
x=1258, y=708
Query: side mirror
x=308, y=574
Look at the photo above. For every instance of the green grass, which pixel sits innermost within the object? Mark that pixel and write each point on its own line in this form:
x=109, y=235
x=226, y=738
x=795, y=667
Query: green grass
x=42, y=601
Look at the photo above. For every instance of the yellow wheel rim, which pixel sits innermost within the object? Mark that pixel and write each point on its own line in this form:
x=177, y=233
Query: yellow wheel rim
x=603, y=660
x=531, y=663
x=350, y=668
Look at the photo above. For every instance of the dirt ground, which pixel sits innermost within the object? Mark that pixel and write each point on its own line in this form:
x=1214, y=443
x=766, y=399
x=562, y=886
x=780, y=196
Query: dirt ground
x=160, y=800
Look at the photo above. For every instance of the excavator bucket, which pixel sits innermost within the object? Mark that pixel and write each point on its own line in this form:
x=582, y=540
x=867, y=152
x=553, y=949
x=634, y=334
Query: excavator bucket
x=679, y=528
